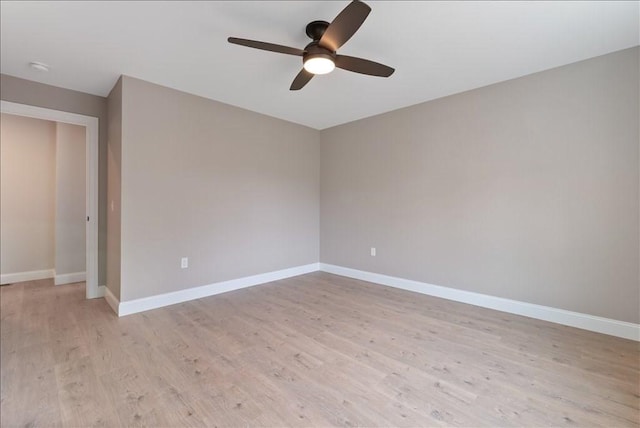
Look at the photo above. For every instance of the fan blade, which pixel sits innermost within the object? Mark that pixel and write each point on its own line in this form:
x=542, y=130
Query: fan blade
x=266, y=46
x=301, y=79
x=344, y=25
x=363, y=66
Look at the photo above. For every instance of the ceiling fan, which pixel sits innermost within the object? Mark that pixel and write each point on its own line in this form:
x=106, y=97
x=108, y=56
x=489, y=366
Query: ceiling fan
x=319, y=56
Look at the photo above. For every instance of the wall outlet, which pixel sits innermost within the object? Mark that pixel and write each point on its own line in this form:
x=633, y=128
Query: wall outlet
x=184, y=262
x=373, y=251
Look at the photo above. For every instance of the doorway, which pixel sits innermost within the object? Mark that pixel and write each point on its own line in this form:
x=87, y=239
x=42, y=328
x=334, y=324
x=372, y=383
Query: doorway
x=93, y=290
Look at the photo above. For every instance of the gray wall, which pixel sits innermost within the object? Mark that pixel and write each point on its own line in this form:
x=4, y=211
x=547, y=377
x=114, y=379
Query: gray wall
x=527, y=189
x=27, y=194
x=37, y=94
x=70, y=199
x=114, y=161
x=234, y=191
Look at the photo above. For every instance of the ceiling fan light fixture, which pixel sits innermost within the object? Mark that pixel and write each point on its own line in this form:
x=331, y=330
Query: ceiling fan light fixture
x=319, y=64
x=319, y=56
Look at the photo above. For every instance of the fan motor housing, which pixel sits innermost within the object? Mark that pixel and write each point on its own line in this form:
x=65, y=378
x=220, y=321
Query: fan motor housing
x=313, y=50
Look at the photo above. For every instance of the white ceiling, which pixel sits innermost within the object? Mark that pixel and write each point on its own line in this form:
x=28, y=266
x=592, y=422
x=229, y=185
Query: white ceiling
x=437, y=48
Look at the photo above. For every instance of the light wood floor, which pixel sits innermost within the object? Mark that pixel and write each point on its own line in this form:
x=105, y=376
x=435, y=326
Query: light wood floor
x=316, y=350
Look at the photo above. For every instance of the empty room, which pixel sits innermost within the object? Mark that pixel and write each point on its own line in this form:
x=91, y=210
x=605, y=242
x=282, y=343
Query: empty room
x=320, y=213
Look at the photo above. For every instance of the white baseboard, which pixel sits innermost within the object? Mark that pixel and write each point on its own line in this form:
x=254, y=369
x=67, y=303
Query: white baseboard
x=161, y=300
x=10, y=278
x=594, y=323
x=70, y=278
x=608, y=326
x=111, y=300
x=101, y=291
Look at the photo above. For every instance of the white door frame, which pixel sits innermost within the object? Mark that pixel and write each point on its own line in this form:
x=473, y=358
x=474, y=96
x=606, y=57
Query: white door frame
x=93, y=290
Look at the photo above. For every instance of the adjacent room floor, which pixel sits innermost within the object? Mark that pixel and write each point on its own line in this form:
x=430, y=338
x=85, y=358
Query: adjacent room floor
x=315, y=350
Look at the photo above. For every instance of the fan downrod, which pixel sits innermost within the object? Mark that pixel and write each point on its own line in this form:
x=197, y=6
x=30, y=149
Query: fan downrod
x=316, y=29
